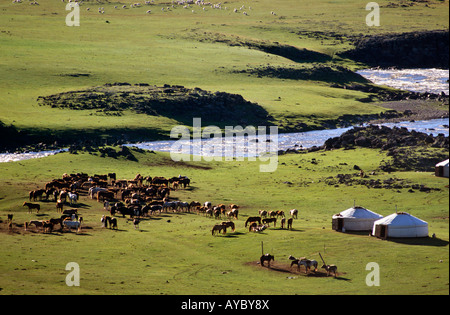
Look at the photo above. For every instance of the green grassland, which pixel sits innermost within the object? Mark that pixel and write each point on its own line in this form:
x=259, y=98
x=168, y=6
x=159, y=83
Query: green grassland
x=174, y=253
x=41, y=56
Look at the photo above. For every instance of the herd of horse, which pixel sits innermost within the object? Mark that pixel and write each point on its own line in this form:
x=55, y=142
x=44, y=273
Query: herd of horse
x=145, y=196
x=136, y=197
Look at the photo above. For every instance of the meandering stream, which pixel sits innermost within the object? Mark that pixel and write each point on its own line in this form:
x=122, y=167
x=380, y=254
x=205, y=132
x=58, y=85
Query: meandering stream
x=417, y=80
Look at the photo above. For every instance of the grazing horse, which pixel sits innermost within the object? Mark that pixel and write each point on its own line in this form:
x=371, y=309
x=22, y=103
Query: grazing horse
x=269, y=220
x=252, y=219
x=32, y=206
x=229, y=224
x=268, y=258
x=218, y=228
x=308, y=264
x=36, y=223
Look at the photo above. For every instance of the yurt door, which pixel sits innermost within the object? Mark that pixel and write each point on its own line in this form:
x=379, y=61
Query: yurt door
x=338, y=224
x=439, y=171
x=381, y=231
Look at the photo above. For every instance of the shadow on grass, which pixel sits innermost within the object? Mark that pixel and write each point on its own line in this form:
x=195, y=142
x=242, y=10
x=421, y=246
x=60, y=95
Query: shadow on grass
x=423, y=241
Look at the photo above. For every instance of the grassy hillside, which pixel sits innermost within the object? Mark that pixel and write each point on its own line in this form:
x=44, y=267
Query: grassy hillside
x=42, y=56
x=174, y=253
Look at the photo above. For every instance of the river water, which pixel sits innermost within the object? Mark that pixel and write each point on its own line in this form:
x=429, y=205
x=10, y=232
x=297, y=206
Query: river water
x=243, y=145
x=417, y=80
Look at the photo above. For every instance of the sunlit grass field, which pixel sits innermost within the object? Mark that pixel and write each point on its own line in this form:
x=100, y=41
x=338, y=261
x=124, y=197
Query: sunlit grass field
x=175, y=253
x=40, y=54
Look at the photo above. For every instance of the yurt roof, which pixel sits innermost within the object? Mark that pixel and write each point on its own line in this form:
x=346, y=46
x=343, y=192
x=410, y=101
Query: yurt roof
x=443, y=163
x=358, y=213
x=401, y=219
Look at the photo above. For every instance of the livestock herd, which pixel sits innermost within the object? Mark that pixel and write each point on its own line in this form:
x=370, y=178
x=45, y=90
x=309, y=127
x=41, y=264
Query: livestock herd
x=142, y=197
x=192, y=5
x=138, y=198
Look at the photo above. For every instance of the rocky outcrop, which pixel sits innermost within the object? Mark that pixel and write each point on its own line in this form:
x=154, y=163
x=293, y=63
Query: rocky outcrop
x=171, y=101
x=408, y=150
x=427, y=49
x=315, y=72
x=385, y=138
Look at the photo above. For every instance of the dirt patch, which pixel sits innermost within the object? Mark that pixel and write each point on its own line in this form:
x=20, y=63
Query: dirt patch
x=276, y=266
x=417, y=110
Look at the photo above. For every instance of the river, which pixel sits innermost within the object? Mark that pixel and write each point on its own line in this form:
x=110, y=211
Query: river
x=417, y=80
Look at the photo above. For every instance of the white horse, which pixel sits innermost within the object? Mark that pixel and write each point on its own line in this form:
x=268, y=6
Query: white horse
x=72, y=224
x=308, y=264
x=293, y=213
x=73, y=198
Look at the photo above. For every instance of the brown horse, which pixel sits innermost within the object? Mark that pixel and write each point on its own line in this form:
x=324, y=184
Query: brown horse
x=268, y=258
x=59, y=205
x=289, y=223
x=218, y=228
x=47, y=226
x=57, y=221
x=252, y=219
x=269, y=220
x=229, y=224
x=32, y=206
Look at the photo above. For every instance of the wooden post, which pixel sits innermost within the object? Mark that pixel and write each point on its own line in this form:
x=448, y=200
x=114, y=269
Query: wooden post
x=262, y=248
x=322, y=259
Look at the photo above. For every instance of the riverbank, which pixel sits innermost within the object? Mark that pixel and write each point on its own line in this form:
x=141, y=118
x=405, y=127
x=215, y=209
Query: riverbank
x=415, y=110
x=19, y=142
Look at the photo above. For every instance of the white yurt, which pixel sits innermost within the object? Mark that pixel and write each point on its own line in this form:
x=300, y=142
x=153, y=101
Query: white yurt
x=441, y=169
x=355, y=219
x=399, y=225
